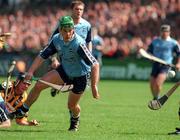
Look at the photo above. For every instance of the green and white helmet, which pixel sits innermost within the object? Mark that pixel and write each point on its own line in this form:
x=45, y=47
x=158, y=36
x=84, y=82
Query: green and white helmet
x=66, y=22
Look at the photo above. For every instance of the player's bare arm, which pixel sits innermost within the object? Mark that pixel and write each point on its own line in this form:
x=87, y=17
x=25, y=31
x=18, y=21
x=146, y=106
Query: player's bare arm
x=37, y=62
x=44, y=54
x=178, y=64
x=90, y=60
x=95, y=80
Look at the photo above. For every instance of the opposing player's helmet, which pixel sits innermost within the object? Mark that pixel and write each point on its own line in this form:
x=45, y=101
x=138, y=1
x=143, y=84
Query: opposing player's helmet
x=21, y=77
x=66, y=22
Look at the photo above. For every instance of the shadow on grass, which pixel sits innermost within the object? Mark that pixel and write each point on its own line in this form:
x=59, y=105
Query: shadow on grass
x=30, y=130
x=50, y=121
x=148, y=134
x=63, y=131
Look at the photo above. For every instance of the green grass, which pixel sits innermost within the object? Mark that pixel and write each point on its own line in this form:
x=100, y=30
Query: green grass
x=120, y=114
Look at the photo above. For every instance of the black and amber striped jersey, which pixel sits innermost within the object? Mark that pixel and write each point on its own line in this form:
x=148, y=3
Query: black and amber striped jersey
x=13, y=101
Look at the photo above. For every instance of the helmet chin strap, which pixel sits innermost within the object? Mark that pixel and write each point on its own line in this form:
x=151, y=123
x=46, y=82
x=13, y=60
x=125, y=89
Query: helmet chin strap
x=17, y=82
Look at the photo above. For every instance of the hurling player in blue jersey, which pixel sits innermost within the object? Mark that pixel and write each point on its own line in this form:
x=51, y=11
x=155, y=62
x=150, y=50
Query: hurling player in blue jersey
x=163, y=47
x=82, y=28
x=98, y=45
x=74, y=65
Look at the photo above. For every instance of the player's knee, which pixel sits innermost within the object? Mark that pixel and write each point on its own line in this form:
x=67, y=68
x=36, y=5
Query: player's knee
x=72, y=106
x=6, y=124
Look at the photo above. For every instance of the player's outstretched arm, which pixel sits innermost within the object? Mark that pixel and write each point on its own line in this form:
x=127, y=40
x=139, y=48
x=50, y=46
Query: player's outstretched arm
x=178, y=64
x=91, y=61
x=24, y=121
x=95, y=80
x=35, y=65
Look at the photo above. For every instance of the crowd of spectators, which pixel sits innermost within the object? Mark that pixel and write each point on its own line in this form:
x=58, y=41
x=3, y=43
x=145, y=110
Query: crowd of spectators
x=124, y=25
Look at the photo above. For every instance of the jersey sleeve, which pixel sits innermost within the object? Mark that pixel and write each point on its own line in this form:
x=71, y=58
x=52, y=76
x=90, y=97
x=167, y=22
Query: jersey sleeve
x=88, y=38
x=150, y=48
x=177, y=49
x=48, y=51
x=86, y=55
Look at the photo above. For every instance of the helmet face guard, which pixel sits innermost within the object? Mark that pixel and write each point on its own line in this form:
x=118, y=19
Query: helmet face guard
x=21, y=77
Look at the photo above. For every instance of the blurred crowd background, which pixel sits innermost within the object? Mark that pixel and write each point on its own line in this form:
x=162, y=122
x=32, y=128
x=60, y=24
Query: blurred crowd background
x=125, y=25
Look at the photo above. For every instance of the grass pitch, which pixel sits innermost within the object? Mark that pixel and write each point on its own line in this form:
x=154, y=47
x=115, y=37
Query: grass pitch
x=120, y=114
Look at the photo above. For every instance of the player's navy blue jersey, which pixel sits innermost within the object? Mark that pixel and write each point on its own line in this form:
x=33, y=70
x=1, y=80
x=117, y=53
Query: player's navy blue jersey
x=96, y=41
x=83, y=29
x=164, y=49
x=74, y=55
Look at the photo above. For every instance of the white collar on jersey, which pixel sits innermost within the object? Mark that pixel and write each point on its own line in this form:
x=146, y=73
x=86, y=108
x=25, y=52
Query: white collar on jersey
x=80, y=22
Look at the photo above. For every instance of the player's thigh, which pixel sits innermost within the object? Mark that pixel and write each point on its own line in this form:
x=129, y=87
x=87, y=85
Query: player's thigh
x=73, y=99
x=51, y=77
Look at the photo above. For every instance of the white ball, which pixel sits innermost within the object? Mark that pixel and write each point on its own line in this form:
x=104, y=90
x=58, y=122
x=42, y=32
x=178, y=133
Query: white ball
x=171, y=74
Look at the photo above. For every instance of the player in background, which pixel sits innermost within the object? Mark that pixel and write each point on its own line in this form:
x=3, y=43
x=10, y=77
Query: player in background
x=76, y=61
x=15, y=97
x=82, y=28
x=163, y=47
x=3, y=38
x=98, y=45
